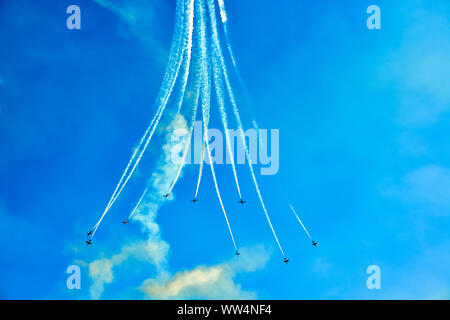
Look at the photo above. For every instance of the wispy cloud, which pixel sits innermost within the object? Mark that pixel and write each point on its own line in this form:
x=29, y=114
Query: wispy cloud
x=138, y=19
x=422, y=67
x=427, y=187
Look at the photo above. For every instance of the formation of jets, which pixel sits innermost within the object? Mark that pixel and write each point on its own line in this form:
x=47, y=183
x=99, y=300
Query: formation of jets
x=237, y=253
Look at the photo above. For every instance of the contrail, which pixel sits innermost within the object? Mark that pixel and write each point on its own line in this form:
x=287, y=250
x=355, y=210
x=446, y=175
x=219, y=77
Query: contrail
x=187, y=145
x=290, y=205
x=174, y=55
x=190, y=15
x=188, y=54
x=223, y=116
x=217, y=52
x=304, y=228
x=206, y=98
x=138, y=203
x=224, y=18
x=197, y=83
x=203, y=51
x=200, y=170
x=167, y=87
x=218, y=192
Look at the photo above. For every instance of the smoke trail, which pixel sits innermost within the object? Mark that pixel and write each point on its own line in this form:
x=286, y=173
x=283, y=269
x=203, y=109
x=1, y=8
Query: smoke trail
x=218, y=53
x=200, y=170
x=171, y=75
x=206, y=98
x=224, y=18
x=201, y=52
x=174, y=54
x=217, y=190
x=304, y=228
x=187, y=56
x=138, y=203
x=188, y=143
x=188, y=45
x=223, y=116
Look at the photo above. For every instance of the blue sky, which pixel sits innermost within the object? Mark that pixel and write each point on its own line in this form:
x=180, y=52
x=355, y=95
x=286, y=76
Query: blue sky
x=364, y=153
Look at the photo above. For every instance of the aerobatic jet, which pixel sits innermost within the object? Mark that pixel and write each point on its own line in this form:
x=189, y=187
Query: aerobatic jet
x=286, y=260
x=237, y=253
x=125, y=221
x=89, y=233
x=166, y=195
x=314, y=244
x=242, y=201
x=88, y=242
x=194, y=200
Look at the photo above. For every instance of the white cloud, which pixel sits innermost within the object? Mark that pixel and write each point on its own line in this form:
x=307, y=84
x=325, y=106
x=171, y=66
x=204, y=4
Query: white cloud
x=138, y=19
x=153, y=251
x=100, y=272
x=213, y=282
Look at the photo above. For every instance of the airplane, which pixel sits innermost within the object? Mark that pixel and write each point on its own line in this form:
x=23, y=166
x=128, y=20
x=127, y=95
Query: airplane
x=125, y=221
x=88, y=242
x=166, y=195
x=286, y=260
x=237, y=253
x=89, y=233
x=314, y=244
x=194, y=200
x=242, y=201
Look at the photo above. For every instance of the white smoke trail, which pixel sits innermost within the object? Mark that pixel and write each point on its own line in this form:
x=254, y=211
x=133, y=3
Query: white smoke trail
x=188, y=142
x=224, y=18
x=304, y=228
x=218, y=192
x=173, y=56
x=138, y=203
x=200, y=170
x=187, y=57
x=198, y=60
x=206, y=98
x=223, y=116
x=219, y=56
x=167, y=88
x=187, y=47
